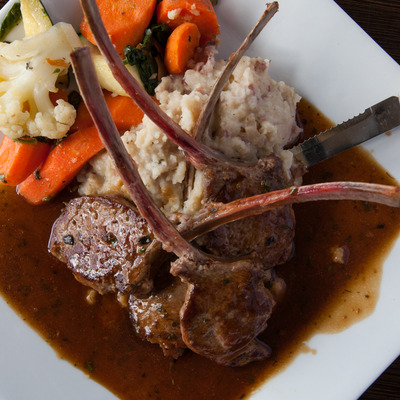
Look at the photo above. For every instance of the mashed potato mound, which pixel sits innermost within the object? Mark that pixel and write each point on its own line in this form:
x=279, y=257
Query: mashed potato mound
x=254, y=117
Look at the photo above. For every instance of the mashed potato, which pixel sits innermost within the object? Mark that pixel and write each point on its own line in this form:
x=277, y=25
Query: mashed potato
x=254, y=117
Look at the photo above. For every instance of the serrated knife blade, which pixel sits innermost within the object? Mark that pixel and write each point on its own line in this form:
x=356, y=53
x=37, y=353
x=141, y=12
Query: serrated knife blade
x=380, y=118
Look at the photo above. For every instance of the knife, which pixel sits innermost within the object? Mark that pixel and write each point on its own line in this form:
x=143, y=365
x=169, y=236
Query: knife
x=375, y=120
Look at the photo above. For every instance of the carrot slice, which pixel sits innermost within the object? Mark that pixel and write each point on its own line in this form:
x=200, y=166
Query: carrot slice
x=69, y=156
x=199, y=12
x=124, y=112
x=61, y=166
x=20, y=159
x=180, y=47
x=125, y=21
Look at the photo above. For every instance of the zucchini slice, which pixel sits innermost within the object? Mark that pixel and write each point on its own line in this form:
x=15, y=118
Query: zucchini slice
x=34, y=17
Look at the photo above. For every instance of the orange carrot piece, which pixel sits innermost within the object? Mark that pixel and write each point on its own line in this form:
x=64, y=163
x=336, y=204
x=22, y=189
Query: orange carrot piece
x=124, y=112
x=125, y=21
x=199, y=12
x=19, y=160
x=180, y=47
x=61, y=166
x=83, y=119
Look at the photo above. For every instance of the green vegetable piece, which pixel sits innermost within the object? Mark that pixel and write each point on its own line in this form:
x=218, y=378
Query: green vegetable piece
x=146, y=65
x=144, y=55
x=12, y=19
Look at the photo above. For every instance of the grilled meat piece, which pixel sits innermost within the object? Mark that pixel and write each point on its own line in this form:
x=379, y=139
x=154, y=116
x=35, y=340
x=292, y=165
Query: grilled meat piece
x=271, y=234
x=227, y=305
x=156, y=318
x=106, y=244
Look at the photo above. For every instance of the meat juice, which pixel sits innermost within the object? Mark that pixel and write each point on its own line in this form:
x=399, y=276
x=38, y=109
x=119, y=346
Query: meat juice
x=332, y=281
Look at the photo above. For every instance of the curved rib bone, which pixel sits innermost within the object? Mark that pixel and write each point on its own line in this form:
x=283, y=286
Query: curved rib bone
x=93, y=97
x=111, y=256
x=204, y=118
x=193, y=265
x=222, y=178
x=196, y=153
x=217, y=214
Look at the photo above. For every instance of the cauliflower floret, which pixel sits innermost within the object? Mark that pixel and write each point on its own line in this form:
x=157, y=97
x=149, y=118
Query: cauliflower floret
x=29, y=69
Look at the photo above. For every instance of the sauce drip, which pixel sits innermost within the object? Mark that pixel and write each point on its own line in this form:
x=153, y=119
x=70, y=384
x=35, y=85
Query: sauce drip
x=333, y=281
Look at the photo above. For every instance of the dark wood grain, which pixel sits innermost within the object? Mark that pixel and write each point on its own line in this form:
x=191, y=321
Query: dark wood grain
x=381, y=20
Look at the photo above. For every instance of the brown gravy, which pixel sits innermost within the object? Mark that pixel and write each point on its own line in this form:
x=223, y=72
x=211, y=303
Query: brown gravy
x=323, y=295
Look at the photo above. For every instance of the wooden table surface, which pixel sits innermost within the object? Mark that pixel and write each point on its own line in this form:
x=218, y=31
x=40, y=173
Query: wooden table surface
x=381, y=20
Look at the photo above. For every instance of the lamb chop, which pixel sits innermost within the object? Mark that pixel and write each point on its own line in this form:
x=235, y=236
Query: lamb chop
x=227, y=303
x=230, y=340
x=109, y=246
x=223, y=179
x=222, y=183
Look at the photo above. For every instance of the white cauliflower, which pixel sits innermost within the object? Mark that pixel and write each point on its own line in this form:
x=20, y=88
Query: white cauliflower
x=29, y=69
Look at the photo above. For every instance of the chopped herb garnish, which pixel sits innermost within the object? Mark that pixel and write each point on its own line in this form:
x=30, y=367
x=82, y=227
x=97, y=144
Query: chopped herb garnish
x=46, y=199
x=367, y=206
x=56, y=71
x=89, y=366
x=348, y=239
x=226, y=281
x=37, y=175
x=293, y=190
x=26, y=140
x=111, y=239
x=266, y=186
x=68, y=239
x=3, y=178
x=269, y=241
x=144, y=240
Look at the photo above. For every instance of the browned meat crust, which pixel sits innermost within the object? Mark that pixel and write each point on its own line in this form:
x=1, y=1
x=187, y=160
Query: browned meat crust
x=105, y=243
x=156, y=318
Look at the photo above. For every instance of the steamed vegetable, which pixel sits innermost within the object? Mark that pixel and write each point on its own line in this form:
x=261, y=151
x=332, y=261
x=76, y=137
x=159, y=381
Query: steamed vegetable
x=35, y=17
x=146, y=55
x=125, y=21
x=103, y=72
x=69, y=156
x=123, y=109
x=200, y=12
x=180, y=48
x=29, y=69
x=19, y=159
x=61, y=166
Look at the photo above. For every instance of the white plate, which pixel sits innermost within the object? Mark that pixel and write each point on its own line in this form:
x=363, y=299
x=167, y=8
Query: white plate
x=315, y=47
